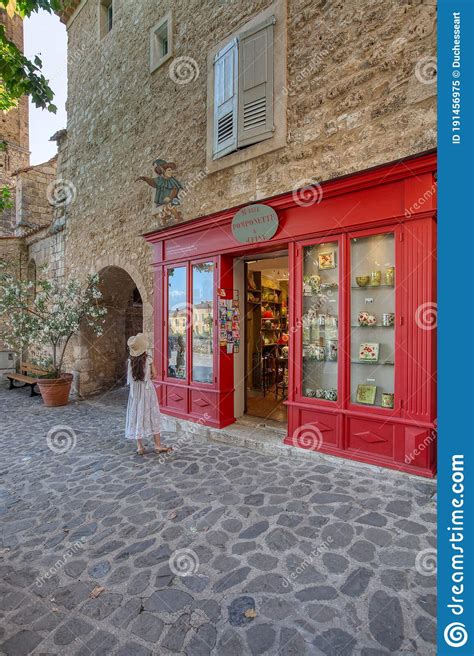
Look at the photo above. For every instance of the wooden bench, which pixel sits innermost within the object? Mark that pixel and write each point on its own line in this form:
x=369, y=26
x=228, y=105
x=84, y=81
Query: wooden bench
x=25, y=379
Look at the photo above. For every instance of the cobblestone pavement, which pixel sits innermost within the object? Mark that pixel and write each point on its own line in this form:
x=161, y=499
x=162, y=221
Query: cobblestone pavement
x=283, y=557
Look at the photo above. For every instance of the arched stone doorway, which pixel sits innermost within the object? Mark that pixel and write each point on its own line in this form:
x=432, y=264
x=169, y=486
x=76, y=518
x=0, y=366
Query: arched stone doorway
x=103, y=358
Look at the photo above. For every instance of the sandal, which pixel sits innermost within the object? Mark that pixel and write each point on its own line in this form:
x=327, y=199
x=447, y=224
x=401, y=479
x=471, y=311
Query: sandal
x=141, y=452
x=163, y=449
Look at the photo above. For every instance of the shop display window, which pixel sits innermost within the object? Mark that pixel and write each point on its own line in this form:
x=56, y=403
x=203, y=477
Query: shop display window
x=372, y=315
x=178, y=320
x=320, y=321
x=203, y=322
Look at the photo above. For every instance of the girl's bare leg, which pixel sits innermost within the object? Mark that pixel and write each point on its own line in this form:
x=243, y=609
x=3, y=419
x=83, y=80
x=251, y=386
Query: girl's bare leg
x=158, y=447
x=140, y=447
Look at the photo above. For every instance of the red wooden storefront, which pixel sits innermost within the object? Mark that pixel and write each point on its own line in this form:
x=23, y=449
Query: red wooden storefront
x=389, y=207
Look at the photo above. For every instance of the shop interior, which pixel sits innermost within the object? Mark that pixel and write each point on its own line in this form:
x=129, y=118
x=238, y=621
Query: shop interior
x=266, y=337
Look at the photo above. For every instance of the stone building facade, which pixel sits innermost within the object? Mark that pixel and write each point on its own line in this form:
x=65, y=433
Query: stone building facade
x=354, y=88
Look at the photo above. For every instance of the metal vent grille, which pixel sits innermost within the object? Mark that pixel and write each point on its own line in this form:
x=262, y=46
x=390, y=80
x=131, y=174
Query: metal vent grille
x=225, y=127
x=255, y=114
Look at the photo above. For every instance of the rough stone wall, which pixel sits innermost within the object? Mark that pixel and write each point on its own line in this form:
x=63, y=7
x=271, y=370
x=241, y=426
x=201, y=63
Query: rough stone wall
x=14, y=124
x=14, y=138
x=354, y=101
x=47, y=251
x=14, y=251
x=33, y=194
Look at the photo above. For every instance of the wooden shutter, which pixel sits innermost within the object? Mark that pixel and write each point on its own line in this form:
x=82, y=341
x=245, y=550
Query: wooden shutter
x=255, y=106
x=225, y=100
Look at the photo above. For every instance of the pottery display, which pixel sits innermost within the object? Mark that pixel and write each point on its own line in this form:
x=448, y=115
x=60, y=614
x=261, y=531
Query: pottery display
x=388, y=399
x=369, y=352
x=362, y=281
x=312, y=284
x=251, y=280
x=390, y=275
x=366, y=319
x=319, y=352
x=375, y=278
x=330, y=395
x=363, y=318
x=388, y=319
x=332, y=350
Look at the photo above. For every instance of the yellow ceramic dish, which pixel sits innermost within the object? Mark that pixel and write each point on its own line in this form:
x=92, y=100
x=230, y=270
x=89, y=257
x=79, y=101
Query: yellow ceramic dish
x=362, y=281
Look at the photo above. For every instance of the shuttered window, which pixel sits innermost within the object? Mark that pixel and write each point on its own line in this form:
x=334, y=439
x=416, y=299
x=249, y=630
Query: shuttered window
x=243, y=90
x=225, y=100
x=255, y=106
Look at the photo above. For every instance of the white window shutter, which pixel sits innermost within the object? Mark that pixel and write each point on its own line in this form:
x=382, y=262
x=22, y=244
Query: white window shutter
x=255, y=106
x=225, y=100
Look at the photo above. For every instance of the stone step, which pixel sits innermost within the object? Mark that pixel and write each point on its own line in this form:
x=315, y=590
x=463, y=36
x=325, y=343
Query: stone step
x=269, y=440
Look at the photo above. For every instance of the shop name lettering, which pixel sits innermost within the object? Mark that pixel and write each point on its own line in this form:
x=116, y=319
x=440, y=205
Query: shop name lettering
x=251, y=223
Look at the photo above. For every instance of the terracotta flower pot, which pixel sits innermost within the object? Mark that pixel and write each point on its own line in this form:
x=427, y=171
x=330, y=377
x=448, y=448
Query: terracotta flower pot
x=55, y=391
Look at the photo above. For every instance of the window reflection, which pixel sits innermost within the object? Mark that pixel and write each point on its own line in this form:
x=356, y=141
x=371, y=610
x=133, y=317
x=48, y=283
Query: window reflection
x=177, y=322
x=203, y=321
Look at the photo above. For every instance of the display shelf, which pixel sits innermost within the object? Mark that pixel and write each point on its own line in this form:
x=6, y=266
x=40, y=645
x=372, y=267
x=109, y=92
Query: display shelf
x=375, y=364
x=306, y=358
x=372, y=287
x=378, y=325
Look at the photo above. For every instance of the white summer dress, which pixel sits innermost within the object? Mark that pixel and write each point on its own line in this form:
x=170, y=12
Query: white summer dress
x=143, y=411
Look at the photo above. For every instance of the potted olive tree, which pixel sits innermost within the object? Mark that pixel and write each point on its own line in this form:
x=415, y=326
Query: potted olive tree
x=43, y=316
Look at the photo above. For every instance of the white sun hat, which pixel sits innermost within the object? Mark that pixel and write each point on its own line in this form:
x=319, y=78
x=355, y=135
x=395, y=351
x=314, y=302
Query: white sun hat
x=137, y=344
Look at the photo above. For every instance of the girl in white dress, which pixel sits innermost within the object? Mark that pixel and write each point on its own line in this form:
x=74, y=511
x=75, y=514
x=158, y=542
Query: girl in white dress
x=143, y=411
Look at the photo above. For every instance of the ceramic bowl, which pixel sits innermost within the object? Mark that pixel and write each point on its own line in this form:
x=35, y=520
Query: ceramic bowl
x=362, y=281
x=363, y=318
x=330, y=395
x=320, y=393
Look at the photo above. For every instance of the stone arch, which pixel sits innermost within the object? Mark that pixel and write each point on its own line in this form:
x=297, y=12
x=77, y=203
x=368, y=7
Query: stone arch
x=136, y=276
x=101, y=361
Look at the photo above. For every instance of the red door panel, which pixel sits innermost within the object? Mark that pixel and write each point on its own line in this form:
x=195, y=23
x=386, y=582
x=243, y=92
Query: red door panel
x=374, y=437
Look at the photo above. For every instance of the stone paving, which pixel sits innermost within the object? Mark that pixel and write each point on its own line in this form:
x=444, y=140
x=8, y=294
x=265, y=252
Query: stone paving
x=282, y=556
